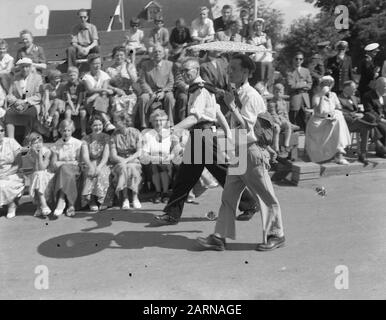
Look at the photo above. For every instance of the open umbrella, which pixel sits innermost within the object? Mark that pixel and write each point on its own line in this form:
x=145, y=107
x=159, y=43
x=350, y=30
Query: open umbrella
x=228, y=46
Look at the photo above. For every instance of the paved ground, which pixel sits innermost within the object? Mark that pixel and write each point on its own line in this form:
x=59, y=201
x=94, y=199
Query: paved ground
x=117, y=255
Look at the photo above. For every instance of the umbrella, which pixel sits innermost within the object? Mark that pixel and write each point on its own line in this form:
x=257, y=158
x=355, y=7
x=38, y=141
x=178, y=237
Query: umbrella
x=228, y=46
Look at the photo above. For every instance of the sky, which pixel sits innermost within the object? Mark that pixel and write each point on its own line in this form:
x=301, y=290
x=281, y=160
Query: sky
x=292, y=9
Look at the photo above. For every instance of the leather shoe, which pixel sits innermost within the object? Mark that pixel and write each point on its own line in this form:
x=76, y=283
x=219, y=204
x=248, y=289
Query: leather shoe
x=273, y=242
x=246, y=215
x=165, y=220
x=212, y=242
x=363, y=159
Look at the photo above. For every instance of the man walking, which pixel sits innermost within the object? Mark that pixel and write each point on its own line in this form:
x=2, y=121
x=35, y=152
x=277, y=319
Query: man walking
x=203, y=114
x=245, y=106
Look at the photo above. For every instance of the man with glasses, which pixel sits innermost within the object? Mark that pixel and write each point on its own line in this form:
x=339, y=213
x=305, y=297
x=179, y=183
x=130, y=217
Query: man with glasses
x=202, y=27
x=299, y=81
x=84, y=39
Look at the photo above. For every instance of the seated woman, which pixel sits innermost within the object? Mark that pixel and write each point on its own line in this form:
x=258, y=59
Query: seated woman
x=65, y=162
x=327, y=134
x=125, y=148
x=123, y=74
x=11, y=184
x=95, y=154
x=24, y=99
x=38, y=158
x=96, y=83
x=158, y=144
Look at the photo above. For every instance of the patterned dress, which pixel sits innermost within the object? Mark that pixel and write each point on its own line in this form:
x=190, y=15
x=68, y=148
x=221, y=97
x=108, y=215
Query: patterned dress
x=126, y=175
x=96, y=186
x=67, y=175
x=11, y=184
x=122, y=78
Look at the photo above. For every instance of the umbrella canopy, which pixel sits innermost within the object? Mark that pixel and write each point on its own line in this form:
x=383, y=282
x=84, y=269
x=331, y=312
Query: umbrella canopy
x=228, y=46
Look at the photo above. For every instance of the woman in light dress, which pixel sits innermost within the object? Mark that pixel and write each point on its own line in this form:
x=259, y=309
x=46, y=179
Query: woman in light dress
x=125, y=146
x=11, y=184
x=327, y=134
x=65, y=162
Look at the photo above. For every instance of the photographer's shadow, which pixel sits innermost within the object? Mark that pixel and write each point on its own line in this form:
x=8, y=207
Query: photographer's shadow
x=76, y=245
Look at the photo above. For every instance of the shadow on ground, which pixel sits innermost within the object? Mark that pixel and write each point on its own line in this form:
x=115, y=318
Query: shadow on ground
x=76, y=245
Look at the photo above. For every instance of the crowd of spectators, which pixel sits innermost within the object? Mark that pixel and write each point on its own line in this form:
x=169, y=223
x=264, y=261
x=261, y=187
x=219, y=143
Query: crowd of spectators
x=105, y=123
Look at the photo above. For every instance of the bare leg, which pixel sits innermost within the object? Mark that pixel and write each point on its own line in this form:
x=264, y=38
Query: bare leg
x=10, y=130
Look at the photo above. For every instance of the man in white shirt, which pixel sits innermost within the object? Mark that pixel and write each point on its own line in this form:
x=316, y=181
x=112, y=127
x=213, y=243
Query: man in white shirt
x=202, y=27
x=245, y=106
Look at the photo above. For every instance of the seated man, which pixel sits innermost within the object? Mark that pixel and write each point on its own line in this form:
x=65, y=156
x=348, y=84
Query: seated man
x=374, y=105
x=202, y=27
x=354, y=117
x=221, y=23
x=23, y=99
x=156, y=81
x=84, y=40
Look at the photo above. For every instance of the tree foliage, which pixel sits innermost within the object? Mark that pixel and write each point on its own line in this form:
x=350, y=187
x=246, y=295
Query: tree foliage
x=304, y=34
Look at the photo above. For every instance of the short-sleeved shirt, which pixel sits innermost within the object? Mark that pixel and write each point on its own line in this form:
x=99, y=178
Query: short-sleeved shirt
x=6, y=62
x=202, y=30
x=67, y=151
x=73, y=89
x=202, y=104
x=53, y=91
x=84, y=35
x=134, y=39
x=252, y=104
x=96, y=145
x=96, y=82
x=36, y=54
x=127, y=142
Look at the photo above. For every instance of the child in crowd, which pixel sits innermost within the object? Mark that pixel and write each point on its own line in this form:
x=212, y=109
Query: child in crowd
x=38, y=159
x=278, y=108
x=73, y=95
x=159, y=35
x=134, y=39
x=53, y=105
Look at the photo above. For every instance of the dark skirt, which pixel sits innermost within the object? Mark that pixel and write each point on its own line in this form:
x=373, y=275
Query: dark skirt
x=25, y=119
x=66, y=179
